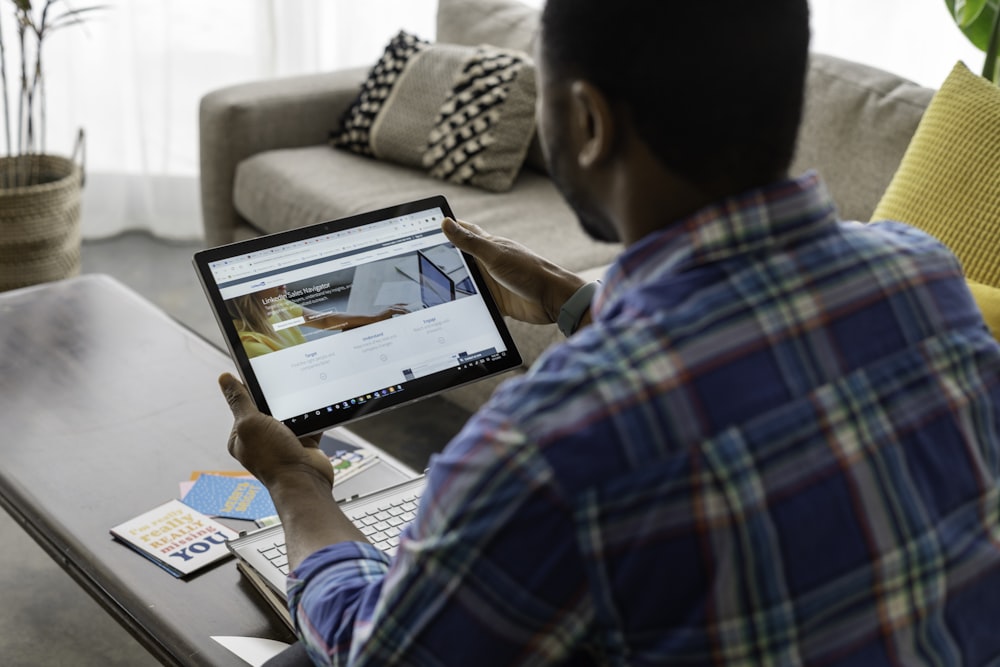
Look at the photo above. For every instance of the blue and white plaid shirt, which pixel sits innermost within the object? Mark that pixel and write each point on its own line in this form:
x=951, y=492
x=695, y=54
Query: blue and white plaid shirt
x=776, y=444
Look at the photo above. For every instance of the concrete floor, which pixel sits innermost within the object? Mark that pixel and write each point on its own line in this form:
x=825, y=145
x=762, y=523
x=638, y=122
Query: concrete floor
x=45, y=618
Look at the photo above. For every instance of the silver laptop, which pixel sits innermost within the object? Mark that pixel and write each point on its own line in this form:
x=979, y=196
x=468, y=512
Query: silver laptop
x=314, y=316
x=381, y=516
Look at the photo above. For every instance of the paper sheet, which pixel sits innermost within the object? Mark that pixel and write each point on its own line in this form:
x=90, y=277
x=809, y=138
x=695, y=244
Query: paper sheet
x=397, y=291
x=253, y=650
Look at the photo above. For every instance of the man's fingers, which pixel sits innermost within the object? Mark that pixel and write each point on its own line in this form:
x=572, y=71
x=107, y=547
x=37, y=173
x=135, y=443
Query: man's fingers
x=236, y=395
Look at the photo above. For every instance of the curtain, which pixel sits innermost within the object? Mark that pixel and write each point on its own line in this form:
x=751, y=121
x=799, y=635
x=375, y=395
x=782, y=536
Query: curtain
x=916, y=39
x=133, y=74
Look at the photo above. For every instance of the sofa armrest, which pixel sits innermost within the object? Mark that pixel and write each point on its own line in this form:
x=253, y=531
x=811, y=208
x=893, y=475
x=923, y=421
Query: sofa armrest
x=243, y=120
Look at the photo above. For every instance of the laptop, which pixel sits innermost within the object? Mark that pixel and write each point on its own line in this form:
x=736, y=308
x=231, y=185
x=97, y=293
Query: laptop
x=436, y=286
x=261, y=555
x=325, y=326
x=428, y=286
x=396, y=314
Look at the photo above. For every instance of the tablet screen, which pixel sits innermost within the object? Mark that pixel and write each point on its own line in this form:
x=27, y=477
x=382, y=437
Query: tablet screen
x=343, y=319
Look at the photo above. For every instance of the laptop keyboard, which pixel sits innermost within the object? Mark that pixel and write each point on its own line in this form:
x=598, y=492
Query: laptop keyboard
x=381, y=524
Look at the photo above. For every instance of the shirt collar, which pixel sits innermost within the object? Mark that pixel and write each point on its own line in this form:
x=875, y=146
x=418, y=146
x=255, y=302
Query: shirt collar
x=736, y=225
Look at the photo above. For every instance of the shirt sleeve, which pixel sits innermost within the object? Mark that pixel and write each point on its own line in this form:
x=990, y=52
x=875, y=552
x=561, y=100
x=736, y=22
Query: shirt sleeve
x=489, y=572
x=338, y=584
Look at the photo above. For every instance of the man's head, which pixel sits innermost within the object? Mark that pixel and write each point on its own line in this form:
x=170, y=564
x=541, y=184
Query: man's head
x=711, y=93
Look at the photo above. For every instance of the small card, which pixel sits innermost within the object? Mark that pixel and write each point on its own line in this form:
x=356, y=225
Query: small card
x=230, y=497
x=176, y=537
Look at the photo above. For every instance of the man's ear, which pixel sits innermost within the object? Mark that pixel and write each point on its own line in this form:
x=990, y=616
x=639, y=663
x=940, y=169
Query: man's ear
x=595, y=123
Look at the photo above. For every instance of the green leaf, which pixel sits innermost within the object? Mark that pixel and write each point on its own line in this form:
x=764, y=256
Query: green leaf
x=966, y=12
x=975, y=18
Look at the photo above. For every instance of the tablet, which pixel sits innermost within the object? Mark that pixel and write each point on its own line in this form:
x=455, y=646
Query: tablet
x=343, y=319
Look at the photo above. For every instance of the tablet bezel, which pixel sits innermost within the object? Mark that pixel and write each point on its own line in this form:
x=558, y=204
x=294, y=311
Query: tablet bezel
x=322, y=418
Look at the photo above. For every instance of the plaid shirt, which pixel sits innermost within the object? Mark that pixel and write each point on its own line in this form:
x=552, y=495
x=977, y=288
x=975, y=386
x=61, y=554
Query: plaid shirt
x=777, y=444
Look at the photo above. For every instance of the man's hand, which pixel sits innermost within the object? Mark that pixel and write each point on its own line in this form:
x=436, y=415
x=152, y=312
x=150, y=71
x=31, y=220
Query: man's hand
x=265, y=446
x=526, y=286
x=297, y=474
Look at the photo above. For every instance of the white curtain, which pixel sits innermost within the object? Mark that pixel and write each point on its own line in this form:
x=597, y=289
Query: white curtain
x=132, y=77
x=133, y=74
x=913, y=38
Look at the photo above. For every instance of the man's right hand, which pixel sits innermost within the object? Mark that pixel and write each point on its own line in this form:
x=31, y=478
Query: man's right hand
x=526, y=286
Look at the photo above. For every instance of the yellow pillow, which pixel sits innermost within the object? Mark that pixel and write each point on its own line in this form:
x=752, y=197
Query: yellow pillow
x=948, y=183
x=988, y=299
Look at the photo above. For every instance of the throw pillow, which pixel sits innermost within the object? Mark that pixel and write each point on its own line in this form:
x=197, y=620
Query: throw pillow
x=464, y=114
x=948, y=183
x=506, y=23
x=988, y=300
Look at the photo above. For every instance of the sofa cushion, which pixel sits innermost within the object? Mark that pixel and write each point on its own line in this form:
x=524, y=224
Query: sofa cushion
x=284, y=189
x=949, y=181
x=856, y=125
x=504, y=23
x=465, y=114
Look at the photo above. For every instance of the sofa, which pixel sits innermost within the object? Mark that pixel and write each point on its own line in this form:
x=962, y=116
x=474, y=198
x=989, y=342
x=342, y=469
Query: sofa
x=267, y=164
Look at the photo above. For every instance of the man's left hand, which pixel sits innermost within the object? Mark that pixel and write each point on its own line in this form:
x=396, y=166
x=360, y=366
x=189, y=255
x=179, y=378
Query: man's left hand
x=265, y=446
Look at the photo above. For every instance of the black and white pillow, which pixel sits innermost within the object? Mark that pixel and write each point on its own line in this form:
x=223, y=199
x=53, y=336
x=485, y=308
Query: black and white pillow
x=356, y=124
x=464, y=114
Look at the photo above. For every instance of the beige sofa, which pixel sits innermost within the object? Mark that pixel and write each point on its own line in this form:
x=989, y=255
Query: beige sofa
x=266, y=164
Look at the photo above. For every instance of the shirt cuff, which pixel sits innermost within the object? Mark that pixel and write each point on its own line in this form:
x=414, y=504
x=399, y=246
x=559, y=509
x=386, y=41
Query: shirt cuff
x=336, y=554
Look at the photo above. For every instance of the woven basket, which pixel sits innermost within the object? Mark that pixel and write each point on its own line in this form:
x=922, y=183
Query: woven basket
x=39, y=224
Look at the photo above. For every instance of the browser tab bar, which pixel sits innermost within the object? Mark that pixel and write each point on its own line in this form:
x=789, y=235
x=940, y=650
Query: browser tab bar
x=309, y=250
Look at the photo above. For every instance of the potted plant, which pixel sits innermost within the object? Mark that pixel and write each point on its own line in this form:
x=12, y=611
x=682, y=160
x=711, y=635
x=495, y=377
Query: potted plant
x=39, y=193
x=979, y=20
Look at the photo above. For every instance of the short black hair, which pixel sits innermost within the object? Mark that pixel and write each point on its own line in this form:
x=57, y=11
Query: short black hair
x=715, y=89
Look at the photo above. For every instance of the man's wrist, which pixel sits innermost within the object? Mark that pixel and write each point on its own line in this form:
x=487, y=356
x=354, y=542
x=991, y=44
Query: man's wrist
x=303, y=479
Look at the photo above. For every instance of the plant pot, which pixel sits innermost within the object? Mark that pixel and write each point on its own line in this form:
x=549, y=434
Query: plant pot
x=39, y=223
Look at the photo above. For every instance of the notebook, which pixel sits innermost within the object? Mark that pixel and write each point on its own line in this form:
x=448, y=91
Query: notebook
x=343, y=319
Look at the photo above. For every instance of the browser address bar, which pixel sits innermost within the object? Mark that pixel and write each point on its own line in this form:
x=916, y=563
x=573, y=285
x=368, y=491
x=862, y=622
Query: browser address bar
x=316, y=250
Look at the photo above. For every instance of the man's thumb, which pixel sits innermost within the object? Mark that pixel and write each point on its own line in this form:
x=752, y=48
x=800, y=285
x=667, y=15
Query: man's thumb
x=462, y=235
x=236, y=395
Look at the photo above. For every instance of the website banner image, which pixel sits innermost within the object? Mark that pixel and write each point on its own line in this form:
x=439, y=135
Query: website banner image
x=336, y=334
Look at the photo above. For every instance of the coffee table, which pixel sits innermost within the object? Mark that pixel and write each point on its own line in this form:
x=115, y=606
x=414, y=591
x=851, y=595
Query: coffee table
x=106, y=403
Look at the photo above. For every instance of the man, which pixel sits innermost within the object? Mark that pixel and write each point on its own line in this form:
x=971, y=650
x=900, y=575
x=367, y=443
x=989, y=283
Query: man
x=776, y=442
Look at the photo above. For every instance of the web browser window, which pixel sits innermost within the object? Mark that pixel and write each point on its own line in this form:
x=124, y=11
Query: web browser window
x=336, y=321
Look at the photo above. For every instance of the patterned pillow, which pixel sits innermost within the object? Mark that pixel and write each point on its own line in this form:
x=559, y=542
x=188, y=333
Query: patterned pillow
x=464, y=114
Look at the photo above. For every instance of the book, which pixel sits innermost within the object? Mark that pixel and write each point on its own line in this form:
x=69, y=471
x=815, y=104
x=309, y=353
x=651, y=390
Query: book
x=178, y=538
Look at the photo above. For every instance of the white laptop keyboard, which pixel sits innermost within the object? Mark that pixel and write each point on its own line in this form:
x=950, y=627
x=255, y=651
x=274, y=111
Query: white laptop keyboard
x=380, y=516
x=381, y=524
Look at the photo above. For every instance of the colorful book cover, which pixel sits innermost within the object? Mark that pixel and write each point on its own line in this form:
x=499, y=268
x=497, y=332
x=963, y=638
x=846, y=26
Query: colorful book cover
x=176, y=537
x=230, y=497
